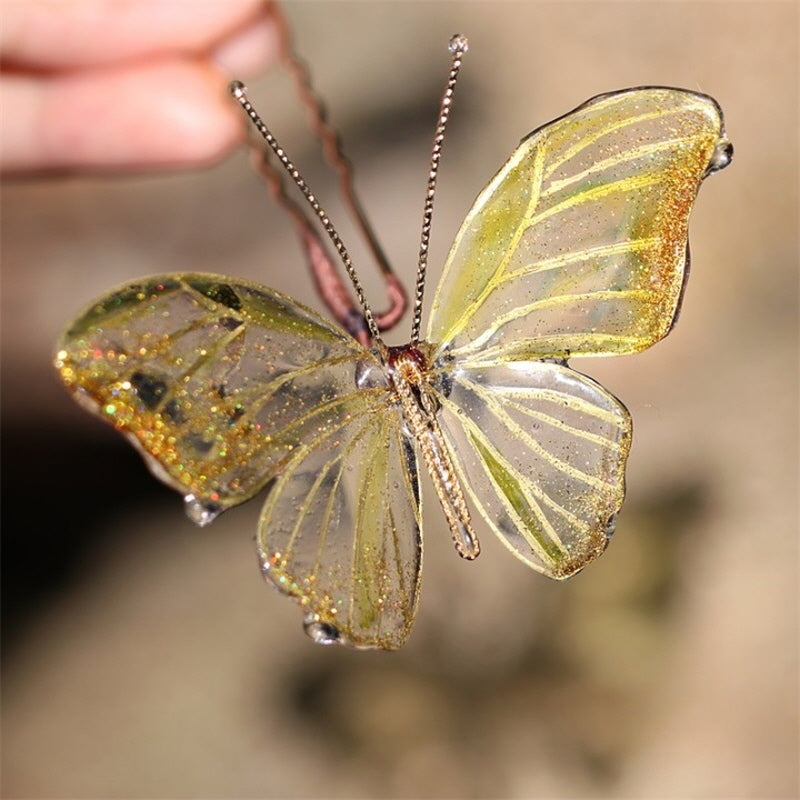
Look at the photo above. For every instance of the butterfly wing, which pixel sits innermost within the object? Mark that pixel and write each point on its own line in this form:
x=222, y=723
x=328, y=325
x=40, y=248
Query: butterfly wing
x=578, y=246
x=225, y=387
x=541, y=450
x=356, y=475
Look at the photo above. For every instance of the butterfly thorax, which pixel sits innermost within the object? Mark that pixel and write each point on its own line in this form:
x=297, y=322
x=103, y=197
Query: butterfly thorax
x=409, y=372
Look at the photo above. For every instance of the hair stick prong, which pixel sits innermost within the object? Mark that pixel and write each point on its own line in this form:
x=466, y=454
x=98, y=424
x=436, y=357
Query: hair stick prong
x=239, y=92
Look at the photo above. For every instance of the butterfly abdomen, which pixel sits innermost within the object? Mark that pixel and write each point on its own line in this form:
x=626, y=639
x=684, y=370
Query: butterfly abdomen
x=410, y=373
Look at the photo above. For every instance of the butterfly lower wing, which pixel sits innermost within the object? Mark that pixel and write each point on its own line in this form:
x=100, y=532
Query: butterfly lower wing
x=340, y=527
x=578, y=246
x=215, y=381
x=541, y=450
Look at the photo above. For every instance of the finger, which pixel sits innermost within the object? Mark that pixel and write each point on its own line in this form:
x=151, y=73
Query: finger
x=55, y=34
x=250, y=50
x=174, y=113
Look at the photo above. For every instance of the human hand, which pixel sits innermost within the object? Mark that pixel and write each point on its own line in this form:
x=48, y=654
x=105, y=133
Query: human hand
x=95, y=85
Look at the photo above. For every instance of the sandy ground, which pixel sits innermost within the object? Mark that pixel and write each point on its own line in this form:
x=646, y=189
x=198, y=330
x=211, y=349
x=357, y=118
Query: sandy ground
x=144, y=658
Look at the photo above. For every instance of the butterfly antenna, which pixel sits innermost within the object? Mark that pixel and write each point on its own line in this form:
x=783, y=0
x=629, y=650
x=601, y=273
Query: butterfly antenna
x=238, y=90
x=458, y=47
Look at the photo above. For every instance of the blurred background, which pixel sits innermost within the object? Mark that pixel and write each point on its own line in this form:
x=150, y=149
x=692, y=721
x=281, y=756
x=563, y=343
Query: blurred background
x=143, y=657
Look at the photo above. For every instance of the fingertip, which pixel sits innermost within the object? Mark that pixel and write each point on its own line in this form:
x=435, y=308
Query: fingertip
x=198, y=123
x=249, y=52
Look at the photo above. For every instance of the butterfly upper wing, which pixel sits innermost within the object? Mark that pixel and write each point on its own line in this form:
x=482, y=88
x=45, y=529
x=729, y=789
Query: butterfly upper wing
x=210, y=378
x=225, y=386
x=578, y=246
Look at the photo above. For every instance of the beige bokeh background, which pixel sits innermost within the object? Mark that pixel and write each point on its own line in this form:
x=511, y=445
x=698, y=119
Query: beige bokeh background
x=161, y=665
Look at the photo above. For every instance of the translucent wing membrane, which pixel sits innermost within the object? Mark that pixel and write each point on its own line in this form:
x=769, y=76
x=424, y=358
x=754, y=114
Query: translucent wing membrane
x=340, y=527
x=541, y=449
x=225, y=386
x=216, y=381
x=578, y=246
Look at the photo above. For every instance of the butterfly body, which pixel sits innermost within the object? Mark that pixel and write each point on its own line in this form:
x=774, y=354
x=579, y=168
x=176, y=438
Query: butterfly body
x=410, y=374
x=577, y=247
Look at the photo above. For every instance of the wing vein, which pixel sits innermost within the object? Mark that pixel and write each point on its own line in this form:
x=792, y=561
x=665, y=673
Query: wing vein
x=552, y=301
x=615, y=161
x=301, y=451
x=587, y=254
x=360, y=525
x=526, y=349
x=521, y=434
x=535, y=187
x=589, y=139
x=533, y=502
x=570, y=401
x=627, y=184
x=312, y=492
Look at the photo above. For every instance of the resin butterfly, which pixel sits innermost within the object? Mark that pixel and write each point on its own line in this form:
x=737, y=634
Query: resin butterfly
x=577, y=247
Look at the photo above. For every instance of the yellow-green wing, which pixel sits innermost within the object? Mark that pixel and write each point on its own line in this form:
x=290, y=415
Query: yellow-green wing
x=215, y=381
x=541, y=450
x=340, y=527
x=578, y=246
x=226, y=387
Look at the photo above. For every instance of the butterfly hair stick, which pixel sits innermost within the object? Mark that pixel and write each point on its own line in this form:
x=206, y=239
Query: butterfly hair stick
x=327, y=280
x=238, y=90
x=334, y=153
x=329, y=284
